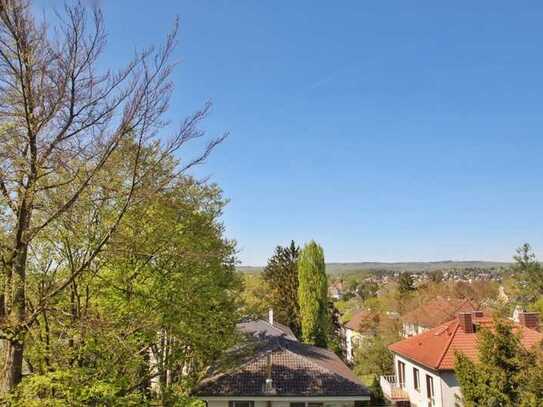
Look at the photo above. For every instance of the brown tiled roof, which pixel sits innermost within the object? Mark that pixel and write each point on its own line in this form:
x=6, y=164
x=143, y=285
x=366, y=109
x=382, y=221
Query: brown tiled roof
x=436, y=347
x=297, y=369
x=286, y=330
x=361, y=319
x=438, y=311
x=260, y=328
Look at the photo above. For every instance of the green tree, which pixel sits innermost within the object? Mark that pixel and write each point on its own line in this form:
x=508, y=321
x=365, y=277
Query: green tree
x=377, y=396
x=62, y=120
x=506, y=374
x=160, y=306
x=313, y=295
x=336, y=337
x=281, y=275
x=372, y=357
x=255, y=297
x=529, y=275
x=436, y=276
x=406, y=283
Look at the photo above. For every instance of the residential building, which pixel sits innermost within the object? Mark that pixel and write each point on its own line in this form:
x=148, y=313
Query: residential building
x=361, y=325
x=434, y=313
x=335, y=290
x=274, y=369
x=424, y=364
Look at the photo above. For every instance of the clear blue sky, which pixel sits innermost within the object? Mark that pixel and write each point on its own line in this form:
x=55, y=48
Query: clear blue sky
x=386, y=131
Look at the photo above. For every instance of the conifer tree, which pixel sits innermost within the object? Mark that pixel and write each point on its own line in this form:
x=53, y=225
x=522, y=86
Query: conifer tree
x=281, y=274
x=528, y=274
x=313, y=295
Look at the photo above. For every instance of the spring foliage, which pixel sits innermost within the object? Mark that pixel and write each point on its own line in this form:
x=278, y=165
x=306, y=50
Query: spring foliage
x=506, y=374
x=116, y=282
x=313, y=295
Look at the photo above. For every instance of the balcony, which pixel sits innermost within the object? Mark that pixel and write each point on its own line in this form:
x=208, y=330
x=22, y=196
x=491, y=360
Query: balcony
x=392, y=389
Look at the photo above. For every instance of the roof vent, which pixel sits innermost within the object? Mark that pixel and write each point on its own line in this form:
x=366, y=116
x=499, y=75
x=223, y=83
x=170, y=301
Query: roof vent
x=529, y=319
x=466, y=322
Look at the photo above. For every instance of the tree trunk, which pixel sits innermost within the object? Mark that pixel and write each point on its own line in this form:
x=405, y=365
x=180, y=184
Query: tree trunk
x=12, y=370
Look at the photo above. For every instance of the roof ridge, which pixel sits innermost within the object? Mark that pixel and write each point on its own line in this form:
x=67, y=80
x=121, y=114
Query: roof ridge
x=283, y=333
x=448, y=345
x=254, y=358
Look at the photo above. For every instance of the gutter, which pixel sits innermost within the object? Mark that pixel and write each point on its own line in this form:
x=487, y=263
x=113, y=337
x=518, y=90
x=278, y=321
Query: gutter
x=291, y=398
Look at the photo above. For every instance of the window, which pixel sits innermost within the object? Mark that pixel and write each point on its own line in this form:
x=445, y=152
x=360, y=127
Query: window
x=241, y=403
x=303, y=404
x=299, y=404
x=430, y=390
x=401, y=374
x=416, y=379
x=314, y=404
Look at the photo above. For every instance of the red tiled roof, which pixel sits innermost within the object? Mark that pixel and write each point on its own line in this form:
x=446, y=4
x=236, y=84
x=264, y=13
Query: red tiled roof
x=436, y=348
x=438, y=311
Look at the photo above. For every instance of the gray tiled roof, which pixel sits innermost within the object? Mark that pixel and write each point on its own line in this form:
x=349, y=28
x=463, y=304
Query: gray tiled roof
x=297, y=369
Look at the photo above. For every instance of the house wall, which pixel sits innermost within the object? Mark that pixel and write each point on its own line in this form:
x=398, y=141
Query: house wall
x=412, y=329
x=352, y=339
x=452, y=395
x=419, y=398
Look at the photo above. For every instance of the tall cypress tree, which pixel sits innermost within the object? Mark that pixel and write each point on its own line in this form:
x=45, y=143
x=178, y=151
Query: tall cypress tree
x=313, y=295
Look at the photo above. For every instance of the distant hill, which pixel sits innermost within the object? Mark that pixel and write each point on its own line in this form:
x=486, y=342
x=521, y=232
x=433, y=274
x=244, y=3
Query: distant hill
x=412, y=267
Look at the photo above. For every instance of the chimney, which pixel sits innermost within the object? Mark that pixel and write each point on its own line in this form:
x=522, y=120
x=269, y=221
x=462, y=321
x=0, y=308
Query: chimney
x=270, y=316
x=466, y=322
x=529, y=319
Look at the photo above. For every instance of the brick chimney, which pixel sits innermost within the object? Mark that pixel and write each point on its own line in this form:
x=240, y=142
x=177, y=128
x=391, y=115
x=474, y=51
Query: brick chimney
x=466, y=322
x=529, y=319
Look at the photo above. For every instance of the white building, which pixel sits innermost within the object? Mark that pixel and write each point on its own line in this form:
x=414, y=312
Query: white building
x=424, y=364
x=361, y=325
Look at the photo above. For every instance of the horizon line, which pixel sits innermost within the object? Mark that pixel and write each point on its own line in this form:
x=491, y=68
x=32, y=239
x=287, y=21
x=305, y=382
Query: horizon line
x=401, y=262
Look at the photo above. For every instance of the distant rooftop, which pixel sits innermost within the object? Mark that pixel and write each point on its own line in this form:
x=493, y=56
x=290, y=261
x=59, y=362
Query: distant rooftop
x=438, y=311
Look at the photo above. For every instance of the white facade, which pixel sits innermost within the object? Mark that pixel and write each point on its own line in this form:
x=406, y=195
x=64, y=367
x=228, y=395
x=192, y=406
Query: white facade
x=353, y=340
x=282, y=402
x=435, y=388
x=409, y=329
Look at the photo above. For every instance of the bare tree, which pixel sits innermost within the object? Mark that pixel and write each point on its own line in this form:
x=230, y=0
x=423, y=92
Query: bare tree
x=61, y=122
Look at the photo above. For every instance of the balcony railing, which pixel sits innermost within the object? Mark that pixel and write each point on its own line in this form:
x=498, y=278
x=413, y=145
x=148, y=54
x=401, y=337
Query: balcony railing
x=392, y=389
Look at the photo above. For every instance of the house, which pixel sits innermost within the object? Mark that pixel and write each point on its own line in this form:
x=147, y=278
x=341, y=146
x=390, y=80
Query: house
x=434, y=313
x=361, y=325
x=424, y=364
x=335, y=290
x=274, y=369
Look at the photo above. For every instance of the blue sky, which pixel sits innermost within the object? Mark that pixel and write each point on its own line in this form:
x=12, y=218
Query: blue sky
x=386, y=131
